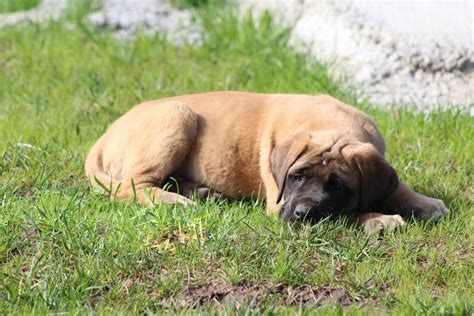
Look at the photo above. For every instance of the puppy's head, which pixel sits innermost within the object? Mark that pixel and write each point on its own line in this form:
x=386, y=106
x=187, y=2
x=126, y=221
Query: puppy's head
x=320, y=174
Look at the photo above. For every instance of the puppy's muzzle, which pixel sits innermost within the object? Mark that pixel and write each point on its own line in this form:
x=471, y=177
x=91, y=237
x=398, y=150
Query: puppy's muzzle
x=301, y=211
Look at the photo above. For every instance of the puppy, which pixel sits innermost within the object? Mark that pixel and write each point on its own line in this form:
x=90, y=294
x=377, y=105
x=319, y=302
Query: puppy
x=308, y=156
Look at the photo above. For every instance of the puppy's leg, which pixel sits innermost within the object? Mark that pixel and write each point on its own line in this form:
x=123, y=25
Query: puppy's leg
x=408, y=203
x=190, y=188
x=148, y=194
x=141, y=149
x=377, y=222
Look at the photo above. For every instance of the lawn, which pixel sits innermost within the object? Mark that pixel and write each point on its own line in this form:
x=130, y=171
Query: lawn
x=7, y=6
x=63, y=248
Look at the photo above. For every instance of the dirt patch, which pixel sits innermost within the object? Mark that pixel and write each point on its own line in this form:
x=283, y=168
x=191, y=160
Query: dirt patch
x=237, y=295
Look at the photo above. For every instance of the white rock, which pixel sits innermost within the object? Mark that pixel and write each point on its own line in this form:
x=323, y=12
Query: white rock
x=386, y=73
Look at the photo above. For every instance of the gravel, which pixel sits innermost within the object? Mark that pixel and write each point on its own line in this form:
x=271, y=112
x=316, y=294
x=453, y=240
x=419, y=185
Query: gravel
x=45, y=11
x=126, y=17
x=123, y=17
x=385, y=66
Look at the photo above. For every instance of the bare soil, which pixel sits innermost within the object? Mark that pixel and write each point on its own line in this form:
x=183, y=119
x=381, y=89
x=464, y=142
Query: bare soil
x=237, y=295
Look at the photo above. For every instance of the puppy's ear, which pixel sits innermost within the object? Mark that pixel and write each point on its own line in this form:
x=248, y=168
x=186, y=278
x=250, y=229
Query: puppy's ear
x=283, y=157
x=378, y=179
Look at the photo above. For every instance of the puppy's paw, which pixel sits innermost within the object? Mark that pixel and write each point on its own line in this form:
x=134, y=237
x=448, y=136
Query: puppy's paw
x=173, y=198
x=184, y=201
x=436, y=209
x=429, y=209
x=383, y=224
x=204, y=193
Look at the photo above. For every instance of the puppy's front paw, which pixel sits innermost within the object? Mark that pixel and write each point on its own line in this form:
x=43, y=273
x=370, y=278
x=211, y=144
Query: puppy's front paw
x=430, y=209
x=437, y=210
x=383, y=223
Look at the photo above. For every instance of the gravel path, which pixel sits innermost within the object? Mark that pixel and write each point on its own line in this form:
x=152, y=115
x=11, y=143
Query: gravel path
x=48, y=9
x=123, y=17
x=387, y=67
x=126, y=17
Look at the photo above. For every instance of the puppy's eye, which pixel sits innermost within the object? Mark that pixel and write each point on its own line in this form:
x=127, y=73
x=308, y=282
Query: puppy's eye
x=334, y=183
x=297, y=177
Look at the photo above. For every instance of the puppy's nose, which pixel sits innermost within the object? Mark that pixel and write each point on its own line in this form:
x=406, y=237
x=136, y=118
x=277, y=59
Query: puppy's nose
x=301, y=211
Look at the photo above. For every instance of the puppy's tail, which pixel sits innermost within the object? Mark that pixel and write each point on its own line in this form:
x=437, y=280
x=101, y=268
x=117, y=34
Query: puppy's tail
x=95, y=172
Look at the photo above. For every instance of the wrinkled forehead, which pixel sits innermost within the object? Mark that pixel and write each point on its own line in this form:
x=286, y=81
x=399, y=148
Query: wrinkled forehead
x=322, y=165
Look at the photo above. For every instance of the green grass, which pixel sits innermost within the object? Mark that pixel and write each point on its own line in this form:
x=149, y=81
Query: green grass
x=64, y=248
x=7, y=6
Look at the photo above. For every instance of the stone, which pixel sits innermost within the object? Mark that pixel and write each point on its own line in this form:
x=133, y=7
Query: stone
x=367, y=50
x=126, y=17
